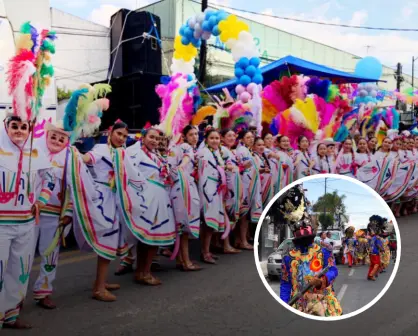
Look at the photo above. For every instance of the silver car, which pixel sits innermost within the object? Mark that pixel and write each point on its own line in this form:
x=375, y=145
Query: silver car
x=274, y=261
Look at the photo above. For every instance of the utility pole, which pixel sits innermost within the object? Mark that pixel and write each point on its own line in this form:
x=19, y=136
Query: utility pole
x=398, y=76
x=325, y=208
x=203, y=51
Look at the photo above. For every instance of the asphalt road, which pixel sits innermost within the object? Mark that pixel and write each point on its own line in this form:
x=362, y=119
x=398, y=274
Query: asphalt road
x=352, y=288
x=226, y=299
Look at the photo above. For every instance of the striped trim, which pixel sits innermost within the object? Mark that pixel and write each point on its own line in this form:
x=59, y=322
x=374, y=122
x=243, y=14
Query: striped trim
x=399, y=192
x=255, y=217
x=11, y=315
x=15, y=217
x=267, y=191
x=41, y=294
x=214, y=224
x=185, y=190
x=82, y=211
x=51, y=210
x=145, y=236
x=45, y=196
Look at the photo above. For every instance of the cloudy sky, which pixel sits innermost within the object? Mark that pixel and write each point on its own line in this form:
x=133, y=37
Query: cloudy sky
x=389, y=47
x=360, y=203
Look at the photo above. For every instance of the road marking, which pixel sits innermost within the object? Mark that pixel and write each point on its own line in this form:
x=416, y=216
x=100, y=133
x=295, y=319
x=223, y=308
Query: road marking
x=342, y=292
x=73, y=260
x=351, y=272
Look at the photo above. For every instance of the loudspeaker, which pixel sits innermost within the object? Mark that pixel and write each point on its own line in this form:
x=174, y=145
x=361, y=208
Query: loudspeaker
x=133, y=100
x=138, y=54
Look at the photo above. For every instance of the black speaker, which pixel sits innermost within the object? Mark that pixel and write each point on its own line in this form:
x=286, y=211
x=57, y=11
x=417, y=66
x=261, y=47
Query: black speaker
x=133, y=100
x=137, y=54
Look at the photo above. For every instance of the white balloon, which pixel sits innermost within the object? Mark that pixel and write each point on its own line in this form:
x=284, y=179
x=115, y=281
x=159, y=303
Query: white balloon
x=200, y=17
x=198, y=27
x=180, y=66
x=197, y=34
x=192, y=22
x=206, y=35
x=230, y=44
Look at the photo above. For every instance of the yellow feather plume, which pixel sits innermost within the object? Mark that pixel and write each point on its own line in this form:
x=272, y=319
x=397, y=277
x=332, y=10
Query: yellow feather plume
x=269, y=111
x=308, y=109
x=202, y=113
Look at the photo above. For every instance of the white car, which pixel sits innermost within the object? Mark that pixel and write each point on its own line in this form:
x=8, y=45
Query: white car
x=274, y=261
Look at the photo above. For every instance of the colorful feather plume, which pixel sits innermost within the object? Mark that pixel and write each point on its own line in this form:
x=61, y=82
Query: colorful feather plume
x=29, y=71
x=318, y=87
x=234, y=113
x=84, y=110
x=202, y=113
x=177, y=104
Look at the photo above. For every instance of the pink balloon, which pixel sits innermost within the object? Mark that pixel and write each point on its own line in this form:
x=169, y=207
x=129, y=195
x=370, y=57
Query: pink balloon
x=245, y=97
x=239, y=89
x=251, y=87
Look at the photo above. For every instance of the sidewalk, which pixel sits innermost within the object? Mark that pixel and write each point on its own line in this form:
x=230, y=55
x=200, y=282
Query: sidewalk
x=263, y=265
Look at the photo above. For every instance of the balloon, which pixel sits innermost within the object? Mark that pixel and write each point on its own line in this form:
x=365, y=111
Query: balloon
x=197, y=35
x=245, y=80
x=362, y=93
x=208, y=13
x=181, y=31
x=188, y=32
x=196, y=43
x=255, y=61
x=206, y=35
x=239, y=72
x=216, y=31
x=189, y=77
x=213, y=21
x=245, y=97
x=206, y=26
x=239, y=89
x=369, y=67
x=180, y=66
x=251, y=87
x=243, y=63
x=185, y=41
x=373, y=93
x=200, y=17
x=198, y=28
x=191, y=22
x=222, y=15
x=258, y=79
x=250, y=70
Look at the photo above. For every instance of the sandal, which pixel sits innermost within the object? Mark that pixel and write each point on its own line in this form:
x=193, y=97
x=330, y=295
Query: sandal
x=246, y=247
x=124, y=270
x=232, y=250
x=46, y=303
x=208, y=258
x=18, y=324
x=191, y=267
x=148, y=280
x=104, y=296
x=166, y=253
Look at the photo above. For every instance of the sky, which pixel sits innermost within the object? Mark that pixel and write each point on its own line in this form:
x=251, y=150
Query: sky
x=360, y=203
x=389, y=47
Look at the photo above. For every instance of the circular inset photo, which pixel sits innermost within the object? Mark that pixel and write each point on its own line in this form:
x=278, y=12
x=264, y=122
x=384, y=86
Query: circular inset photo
x=328, y=247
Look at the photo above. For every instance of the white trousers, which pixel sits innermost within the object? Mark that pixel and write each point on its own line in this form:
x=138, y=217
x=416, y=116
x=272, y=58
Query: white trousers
x=16, y=259
x=44, y=233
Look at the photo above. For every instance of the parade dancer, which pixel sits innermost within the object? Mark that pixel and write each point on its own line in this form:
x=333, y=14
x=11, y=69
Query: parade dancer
x=22, y=170
x=306, y=260
x=362, y=247
x=303, y=161
x=350, y=245
x=346, y=159
x=184, y=194
x=263, y=166
x=54, y=145
x=286, y=159
x=375, y=227
x=322, y=162
x=212, y=189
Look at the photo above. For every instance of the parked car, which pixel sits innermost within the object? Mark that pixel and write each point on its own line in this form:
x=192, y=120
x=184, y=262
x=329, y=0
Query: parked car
x=274, y=261
x=337, y=243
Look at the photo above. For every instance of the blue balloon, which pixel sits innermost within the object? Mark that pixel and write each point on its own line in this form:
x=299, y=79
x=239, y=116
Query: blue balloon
x=216, y=31
x=188, y=32
x=243, y=62
x=209, y=13
x=239, y=72
x=185, y=41
x=245, y=80
x=255, y=61
x=258, y=79
x=189, y=78
x=196, y=43
x=369, y=67
x=165, y=80
x=181, y=31
x=213, y=20
x=222, y=15
x=206, y=26
x=251, y=70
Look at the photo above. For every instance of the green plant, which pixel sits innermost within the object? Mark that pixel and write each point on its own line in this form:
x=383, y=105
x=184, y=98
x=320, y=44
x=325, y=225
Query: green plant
x=63, y=94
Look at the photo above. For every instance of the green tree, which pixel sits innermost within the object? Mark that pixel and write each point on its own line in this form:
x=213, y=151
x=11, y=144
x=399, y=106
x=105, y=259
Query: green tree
x=63, y=94
x=332, y=204
x=326, y=220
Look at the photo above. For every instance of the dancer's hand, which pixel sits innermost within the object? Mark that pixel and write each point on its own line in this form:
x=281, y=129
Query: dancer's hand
x=36, y=210
x=316, y=282
x=66, y=221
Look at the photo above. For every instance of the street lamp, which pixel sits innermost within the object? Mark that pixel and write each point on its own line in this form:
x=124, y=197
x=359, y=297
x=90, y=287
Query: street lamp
x=413, y=68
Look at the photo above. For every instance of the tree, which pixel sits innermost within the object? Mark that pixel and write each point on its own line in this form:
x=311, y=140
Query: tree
x=332, y=204
x=63, y=94
x=326, y=220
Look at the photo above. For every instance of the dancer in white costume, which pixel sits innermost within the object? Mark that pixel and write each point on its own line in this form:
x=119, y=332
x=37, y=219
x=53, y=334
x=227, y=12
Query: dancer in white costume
x=274, y=159
x=212, y=190
x=323, y=164
x=252, y=206
x=26, y=186
x=234, y=196
x=54, y=144
x=263, y=166
x=155, y=225
x=346, y=160
x=184, y=194
x=303, y=162
x=286, y=159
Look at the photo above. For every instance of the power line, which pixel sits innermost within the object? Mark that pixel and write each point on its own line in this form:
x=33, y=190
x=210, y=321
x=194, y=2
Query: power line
x=316, y=22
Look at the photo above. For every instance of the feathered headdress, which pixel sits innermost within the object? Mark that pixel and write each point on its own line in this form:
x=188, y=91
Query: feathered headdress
x=29, y=71
x=84, y=110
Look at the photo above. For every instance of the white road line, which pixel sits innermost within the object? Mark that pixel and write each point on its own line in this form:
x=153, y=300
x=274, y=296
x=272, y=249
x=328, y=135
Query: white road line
x=351, y=272
x=342, y=292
